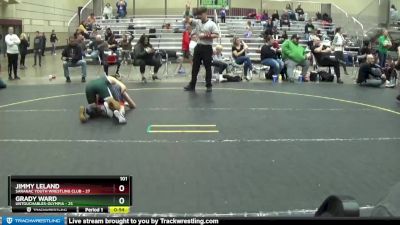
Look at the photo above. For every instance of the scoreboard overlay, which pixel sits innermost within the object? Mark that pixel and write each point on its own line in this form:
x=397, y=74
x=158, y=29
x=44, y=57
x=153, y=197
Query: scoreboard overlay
x=90, y=194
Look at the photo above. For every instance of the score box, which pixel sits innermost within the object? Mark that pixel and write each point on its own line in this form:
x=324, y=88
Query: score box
x=69, y=193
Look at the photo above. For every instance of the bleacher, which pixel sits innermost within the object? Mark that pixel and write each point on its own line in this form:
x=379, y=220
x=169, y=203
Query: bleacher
x=171, y=39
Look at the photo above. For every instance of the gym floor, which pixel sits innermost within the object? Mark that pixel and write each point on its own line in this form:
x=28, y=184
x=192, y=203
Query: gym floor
x=265, y=148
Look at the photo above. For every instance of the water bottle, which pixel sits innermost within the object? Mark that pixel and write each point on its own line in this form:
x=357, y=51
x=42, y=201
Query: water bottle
x=300, y=78
x=274, y=79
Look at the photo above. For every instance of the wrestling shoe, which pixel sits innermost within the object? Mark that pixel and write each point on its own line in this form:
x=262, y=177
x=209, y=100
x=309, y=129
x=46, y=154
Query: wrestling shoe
x=108, y=112
x=189, y=88
x=208, y=89
x=155, y=78
x=82, y=114
x=83, y=80
x=68, y=80
x=120, y=117
x=339, y=81
x=144, y=80
x=398, y=99
x=389, y=84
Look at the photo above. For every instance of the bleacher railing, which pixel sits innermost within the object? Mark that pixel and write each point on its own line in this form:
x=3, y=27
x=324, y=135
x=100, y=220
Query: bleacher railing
x=74, y=22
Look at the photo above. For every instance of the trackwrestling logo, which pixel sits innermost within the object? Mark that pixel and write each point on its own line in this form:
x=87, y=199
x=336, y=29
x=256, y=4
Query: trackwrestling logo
x=18, y=220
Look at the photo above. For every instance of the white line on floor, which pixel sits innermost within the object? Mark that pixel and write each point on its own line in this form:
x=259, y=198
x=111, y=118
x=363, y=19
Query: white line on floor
x=222, y=141
x=200, y=109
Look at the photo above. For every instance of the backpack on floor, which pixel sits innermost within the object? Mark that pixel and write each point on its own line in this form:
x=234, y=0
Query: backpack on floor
x=313, y=76
x=2, y=84
x=230, y=78
x=325, y=76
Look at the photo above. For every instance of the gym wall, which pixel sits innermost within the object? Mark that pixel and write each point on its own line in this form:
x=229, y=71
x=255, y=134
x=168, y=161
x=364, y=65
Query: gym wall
x=143, y=7
x=43, y=15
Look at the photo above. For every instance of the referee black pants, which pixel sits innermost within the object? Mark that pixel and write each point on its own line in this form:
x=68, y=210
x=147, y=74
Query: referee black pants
x=12, y=64
x=202, y=54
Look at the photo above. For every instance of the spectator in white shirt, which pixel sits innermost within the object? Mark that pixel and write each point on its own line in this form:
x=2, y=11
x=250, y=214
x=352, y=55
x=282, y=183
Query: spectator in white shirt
x=338, y=45
x=12, y=42
x=107, y=11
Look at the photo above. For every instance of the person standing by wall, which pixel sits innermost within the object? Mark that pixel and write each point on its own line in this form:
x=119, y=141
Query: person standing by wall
x=338, y=46
x=23, y=49
x=207, y=31
x=53, y=41
x=37, y=48
x=384, y=44
x=44, y=40
x=222, y=14
x=12, y=42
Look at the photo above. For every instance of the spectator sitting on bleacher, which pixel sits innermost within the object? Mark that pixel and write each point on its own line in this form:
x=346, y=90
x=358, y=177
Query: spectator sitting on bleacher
x=72, y=57
x=249, y=30
x=145, y=55
x=80, y=40
x=323, y=55
x=108, y=34
x=90, y=21
x=109, y=55
x=289, y=10
x=108, y=11
x=82, y=30
x=121, y=8
x=370, y=74
x=264, y=16
x=239, y=49
x=294, y=55
x=112, y=44
x=219, y=62
x=283, y=37
x=275, y=17
x=326, y=18
x=96, y=46
x=309, y=28
x=318, y=15
x=299, y=13
x=285, y=20
x=126, y=46
x=269, y=28
x=93, y=34
x=269, y=57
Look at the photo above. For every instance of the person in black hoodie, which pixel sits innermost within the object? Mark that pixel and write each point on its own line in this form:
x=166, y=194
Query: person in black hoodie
x=37, y=48
x=145, y=55
x=23, y=50
x=269, y=56
x=370, y=74
x=44, y=40
x=53, y=40
x=72, y=57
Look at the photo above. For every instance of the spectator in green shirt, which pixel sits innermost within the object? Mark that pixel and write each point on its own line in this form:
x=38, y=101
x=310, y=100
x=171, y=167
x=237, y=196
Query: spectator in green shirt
x=294, y=55
x=384, y=44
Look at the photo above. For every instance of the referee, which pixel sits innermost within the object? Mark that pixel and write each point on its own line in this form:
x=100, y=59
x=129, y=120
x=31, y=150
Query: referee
x=206, y=30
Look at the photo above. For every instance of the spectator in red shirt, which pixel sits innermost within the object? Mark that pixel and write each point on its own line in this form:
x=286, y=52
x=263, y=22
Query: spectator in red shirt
x=185, y=47
x=186, y=41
